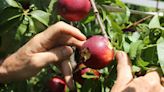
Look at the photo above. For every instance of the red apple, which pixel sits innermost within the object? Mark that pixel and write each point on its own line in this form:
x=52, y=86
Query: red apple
x=83, y=73
x=57, y=84
x=73, y=10
x=97, y=52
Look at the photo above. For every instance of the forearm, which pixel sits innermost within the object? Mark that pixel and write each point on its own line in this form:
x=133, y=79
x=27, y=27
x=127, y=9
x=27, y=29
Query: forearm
x=7, y=68
x=3, y=72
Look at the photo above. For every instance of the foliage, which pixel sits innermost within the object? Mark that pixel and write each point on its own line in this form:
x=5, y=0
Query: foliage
x=20, y=20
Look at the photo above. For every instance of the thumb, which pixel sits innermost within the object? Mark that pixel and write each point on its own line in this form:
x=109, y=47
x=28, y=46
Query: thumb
x=53, y=56
x=124, y=71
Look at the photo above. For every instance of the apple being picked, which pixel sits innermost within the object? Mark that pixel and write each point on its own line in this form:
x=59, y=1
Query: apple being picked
x=57, y=84
x=97, y=52
x=73, y=10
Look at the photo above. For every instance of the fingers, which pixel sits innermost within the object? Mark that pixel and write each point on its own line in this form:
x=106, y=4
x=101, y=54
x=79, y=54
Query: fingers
x=162, y=89
x=64, y=28
x=59, y=34
x=66, y=69
x=124, y=71
x=68, y=29
x=154, y=81
x=77, y=43
x=53, y=56
x=153, y=78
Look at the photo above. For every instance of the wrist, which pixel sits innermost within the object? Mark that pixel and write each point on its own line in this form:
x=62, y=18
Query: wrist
x=5, y=68
x=3, y=74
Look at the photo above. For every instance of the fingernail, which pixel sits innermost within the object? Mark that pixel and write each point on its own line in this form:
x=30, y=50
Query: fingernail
x=120, y=53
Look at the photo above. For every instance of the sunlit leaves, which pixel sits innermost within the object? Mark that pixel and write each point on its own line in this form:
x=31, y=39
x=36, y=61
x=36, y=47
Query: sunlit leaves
x=8, y=3
x=160, y=51
x=41, y=16
x=154, y=23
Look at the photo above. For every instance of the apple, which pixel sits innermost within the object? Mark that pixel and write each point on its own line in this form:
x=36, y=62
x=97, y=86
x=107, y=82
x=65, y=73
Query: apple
x=73, y=10
x=97, y=52
x=57, y=84
x=82, y=72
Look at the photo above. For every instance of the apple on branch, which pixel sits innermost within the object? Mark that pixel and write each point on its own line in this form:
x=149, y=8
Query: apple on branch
x=73, y=10
x=97, y=52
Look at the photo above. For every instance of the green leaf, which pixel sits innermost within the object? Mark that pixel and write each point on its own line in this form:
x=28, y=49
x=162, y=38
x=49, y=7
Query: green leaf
x=134, y=48
x=13, y=3
x=154, y=23
x=135, y=36
x=8, y=3
x=39, y=27
x=91, y=86
x=43, y=4
x=41, y=16
x=160, y=51
x=120, y=3
x=51, y=5
x=88, y=86
x=135, y=68
x=89, y=76
x=3, y=5
x=126, y=44
x=104, y=13
x=142, y=63
x=127, y=13
x=143, y=30
x=149, y=54
x=89, y=19
x=32, y=28
x=163, y=33
x=116, y=27
x=21, y=30
x=154, y=35
x=10, y=25
x=9, y=14
x=117, y=40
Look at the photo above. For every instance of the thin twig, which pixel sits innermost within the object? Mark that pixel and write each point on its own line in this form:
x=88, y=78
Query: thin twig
x=99, y=18
x=139, y=21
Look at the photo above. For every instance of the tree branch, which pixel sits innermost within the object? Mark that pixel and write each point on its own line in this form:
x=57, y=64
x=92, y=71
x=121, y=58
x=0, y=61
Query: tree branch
x=139, y=21
x=98, y=18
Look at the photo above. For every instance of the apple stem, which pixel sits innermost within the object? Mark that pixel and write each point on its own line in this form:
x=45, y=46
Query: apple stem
x=99, y=18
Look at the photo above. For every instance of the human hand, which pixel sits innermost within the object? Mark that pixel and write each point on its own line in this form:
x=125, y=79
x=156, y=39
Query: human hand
x=48, y=47
x=126, y=83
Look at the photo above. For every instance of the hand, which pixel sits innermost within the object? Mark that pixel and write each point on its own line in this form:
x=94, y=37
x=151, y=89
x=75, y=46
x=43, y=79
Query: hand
x=126, y=83
x=48, y=47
